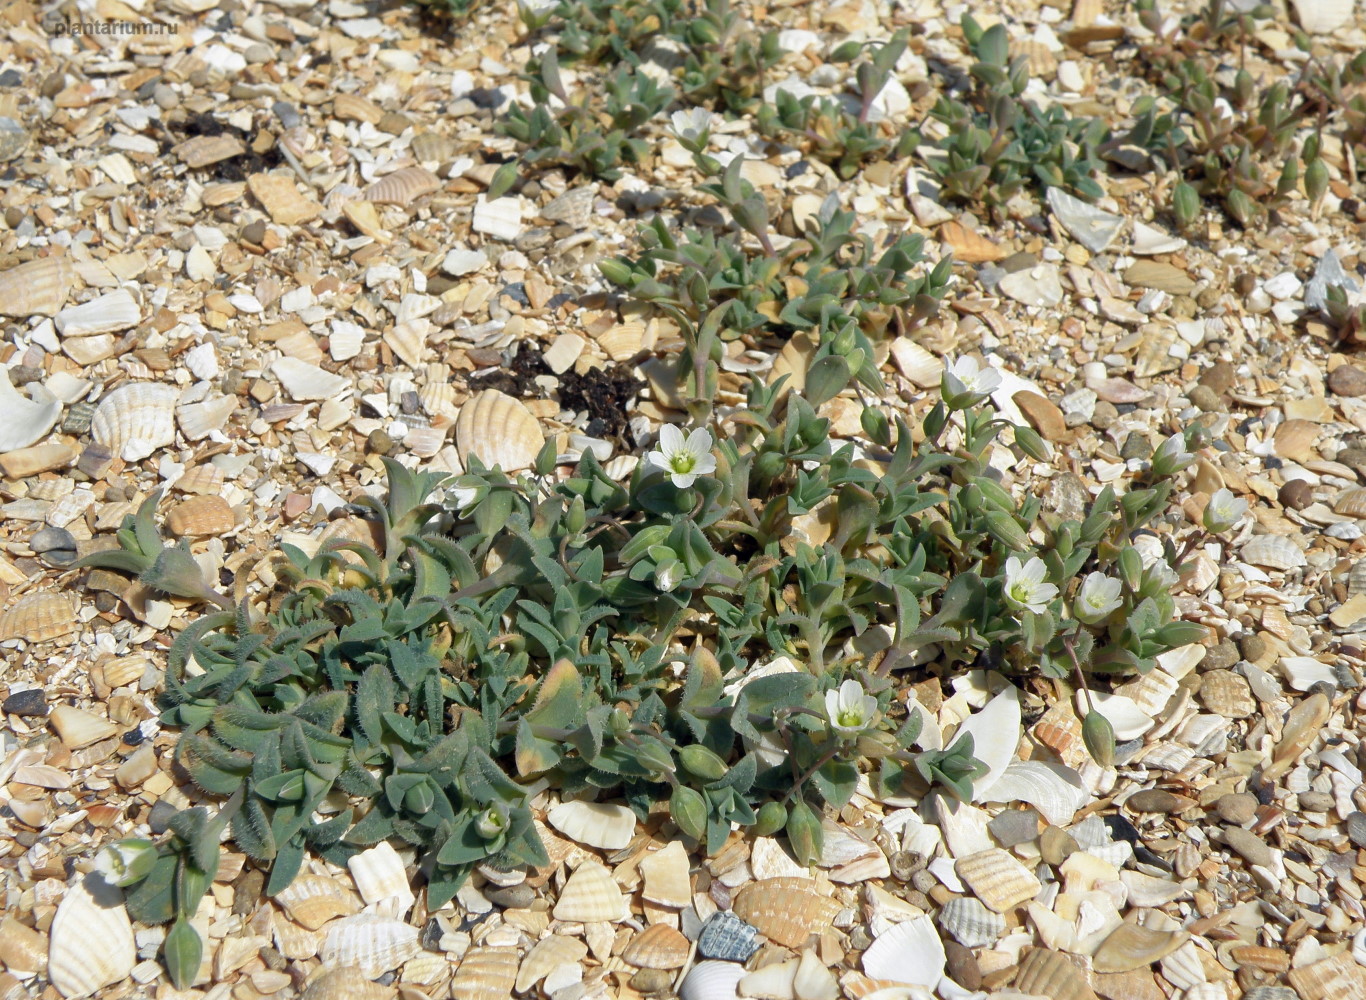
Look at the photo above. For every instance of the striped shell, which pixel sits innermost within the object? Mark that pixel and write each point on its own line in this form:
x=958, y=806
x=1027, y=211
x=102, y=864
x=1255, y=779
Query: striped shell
x=202, y=479
x=574, y=207
x=591, y=895
x=623, y=341
x=345, y=984
x=712, y=981
x=136, y=419
x=312, y=900
x=1049, y=974
x=499, y=430
x=1356, y=579
x=545, y=956
x=788, y=910
x=381, y=878
x=970, y=922
x=1352, y=503
x=91, y=944
x=403, y=187
x=1273, y=552
x=370, y=943
x=485, y=973
x=594, y=824
x=200, y=516
x=725, y=936
x=110, y=313
x=658, y=947
x=36, y=288
x=431, y=147
x=38, y=618
x=997, y=879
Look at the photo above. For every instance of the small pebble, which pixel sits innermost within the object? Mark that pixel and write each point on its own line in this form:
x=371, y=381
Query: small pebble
x=1157, y=800
x=1316, y=801
x=246, y=891
x=49, y=538
x=962, y=965
x=1296, y=495
x=1220, y=656
x=1356, y=828
x=165, y=97
x=1206, y=399
x=1104, y=415
x=513, y=897
x=1347, y=380
x=1219, y=377
x=652, y=981
x=1014, y=826
x=1244, y=284
x=1136, y=446
x=1253, y=849
x=159, y=819
x=27, y=703
x=254, y=232
x=1252, y=648
x=1057, y=845
x=14, y=218
x=1236, y=807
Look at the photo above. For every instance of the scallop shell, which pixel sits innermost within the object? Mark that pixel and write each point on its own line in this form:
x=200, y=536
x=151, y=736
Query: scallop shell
x=201, y=516
x=1273, y=552
x=345, y=984
x=594, y=824
x=431, y=147
x=1352, y=503
x=136, y=419
x=622, y=341
x=658, y=947
x=666, y=877
x=1049, y=974
x=36, y=288
x=499, y=430
x=574, y=208
x=110, y=313
x=970, y=922
x=545, y=956
x=997, y=879
x=590, y=895
x=908, y=952
x=312, y=900
x=199, y=420
x=27, y=418
x=787, y=910
x=485, y=973
x=91, y=944
x=380, y=878
x=725, y=936
x=38, y=618
x=375, y=945
x=403, y=187
x=712, y=981
x=203, y=479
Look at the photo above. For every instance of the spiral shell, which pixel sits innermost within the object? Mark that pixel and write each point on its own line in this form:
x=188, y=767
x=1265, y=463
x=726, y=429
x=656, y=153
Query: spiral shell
x=499, y=430
x=136, y=419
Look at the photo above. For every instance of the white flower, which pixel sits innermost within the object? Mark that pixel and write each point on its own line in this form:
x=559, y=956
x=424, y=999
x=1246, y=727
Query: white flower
x=1223, y=511
x=850, y=710
x=1097, y=598
x=667, y=575
x=1171, y=456
x=692, y=125
x=464, y=497
x=1025, y=587
x=126, y=861
x=683, y=460
x=964, y=383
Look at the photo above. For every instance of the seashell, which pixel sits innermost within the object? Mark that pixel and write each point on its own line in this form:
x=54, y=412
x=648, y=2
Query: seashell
x=658, y=947
x=38, y=618
x=205, y=480
x=574, y=208
x=380, y=878
x=345, y=984
x=498, y=430
x=725, y=936
x=206, y=150
x=1351, y=502
x=1126, y=718
x=1054, y=790
x=997, y=879
x=485, y=973
x=500, y=218
x=1319, y=17
x=91, y=943
x=1132, y=947
x=199, y=420
x=787, y=910
x=591, y=895
x=27, y=418
x=1183, y=968
x=971, y=924
x=545, y=956
x=312, y=900
x=201, y=516
x=375, y=945
x=594, y=824
x=124, y=670
x=1049, y=974
x=110, y=313
x=403, y=187
x=13, y=139
x=78, y=417
x=1090, y=226
x=1211, y=991
x=908, y=952
x=622, y=341
x=1149, y=241
x=430, y=147
x=775, y=980
x=136, y=419
x=280, y=197
x=917, y=364
x=349, y=107
x=345, y=340
x=1273, y=552
x=78, y=729
x=37, y=287
x=572, y=254
x=995, y=731
x=306, y=382
x=712, y=981
x=427, y=968
x=1156, y=352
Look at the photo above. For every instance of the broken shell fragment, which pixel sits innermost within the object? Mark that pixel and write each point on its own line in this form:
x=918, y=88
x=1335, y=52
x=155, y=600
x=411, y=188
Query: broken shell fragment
x=27, y=419
x=786, y=909
x=594, y=824
x=591, y=895
x=136, y=419
x=658, y=947
x=201, y=516
x=381, y=878
x=110, y=313
x=485, y=973
x=712, y=981
x=312, y=900
x=997, y=879
x=908, y=952
x=372, y=944
x=403, y=187
x=91, y=944
x=36, y=288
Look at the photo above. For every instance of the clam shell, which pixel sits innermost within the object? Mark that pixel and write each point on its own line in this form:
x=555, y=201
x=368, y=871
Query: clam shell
x=499, y=430
x=205, y=150
x=997, y=879
x=995, y=731
x=380, y=878
x=594, y=824
x=136, y=419
x=787, y=910
x=712, y=981
x=908, y=952
x=970, y=922
x=403, y=187
x=27, y=420
x=1228, y=694
x=1273, y=552
x=1049, y=974
x=485, y=973
x=666, y=877
x=312, y=900
x=201, y=516
x=110, y=313
x=375, y=945
x=658, y=947
x=199, y=420
x=574, y=208
x=545, y=956
x=591, y=895
x=78, y=417
x=38, y=618
x=91, y=945
x=1319, y=17
x=500, y=218
x=1208, y=991
x=725, y=936
x=36, y=288
x=1356, y=579
x=345, y=984
x=279, y=197
x=202, y=479
x=1352, y=503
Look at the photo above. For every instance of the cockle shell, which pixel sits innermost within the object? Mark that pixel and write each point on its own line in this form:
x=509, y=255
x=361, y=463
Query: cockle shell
x=1049, y=974
x=787, y=910
x=1273, y=552
x=499, y=430
x=485, y=973
x=27, y=418
x=403, y=187
x=545, y=956
x=908, y=952
x=666, y=877
x=380, y=878
x=590, y=895
x=91, y=944
x=375, y=945
x=312, y=900
x=199, y=420
x=712, y=981
x=36, y=288
x=659, y=946
x=136, y=419
x=970, y=922
x=622, y=341
x=110, y=313
x=201, y=516
x=997, y=879
x=594, y=824
x=38, y=617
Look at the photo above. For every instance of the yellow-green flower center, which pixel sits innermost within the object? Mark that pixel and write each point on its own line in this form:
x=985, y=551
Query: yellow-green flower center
x=849, y=718
x=683, y=462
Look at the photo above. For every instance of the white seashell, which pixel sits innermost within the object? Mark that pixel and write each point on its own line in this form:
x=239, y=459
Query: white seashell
x=971, y=924
x=1206, y=991
x=666, y=876
x=345, y=340
x=199, y=420
x=1359, y=946
x=485, y=972
x=813, y=980
x=498, y=430
x=1129, y=721
x=312, y=900
x=772, y=982
x=380, y=878
x=1273, y=552
x=27, y=420
x=1319, y=17
x=917, y=364
x=1148, y=241
x=1145, y=890
x=91, y=944
x=110, y=313
x=37, y=287
x=1183, y=968
x=594, y=824
x=908, y=952
x=545, y=956
x=1054, y=789
x=574, y=207
x=1090, y=226
x=501, y=218
x=712, y=980
x=135, y=420
x=591, y=895
x=995, y=735
x=1303, y=672
x=997, y=879
x=304, y=381
x=372, y=944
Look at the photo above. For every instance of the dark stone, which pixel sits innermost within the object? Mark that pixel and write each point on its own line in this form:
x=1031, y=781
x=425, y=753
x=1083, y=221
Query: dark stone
x=51, y=538
x=1347, y=380
x=962, y=964
x=26, y=703
x=513, y=897
x=1136, y=445
x=728, y=938
x=1253, y=849
x=1014, y=826
x=1157, y=800
x=254, y=232
x=159, y=819
x=1296, y=495
x=11, y=78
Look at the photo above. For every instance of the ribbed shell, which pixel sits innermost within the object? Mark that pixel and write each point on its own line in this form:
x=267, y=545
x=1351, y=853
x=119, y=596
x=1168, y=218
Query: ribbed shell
x=36, y=288
x=91, y=944
x=370, y=943
x=485, y=973
x=110, y=313
x=1049, y=974
x=1273, y=552
x=591, y=894
x=403, y=187
x=997, y=879
x=200, y=516
x=659, y=946
x=199, y=420
x=788, y=910
x=38, y=618
x=136, y=419
x=499, y=430
x=970, y=922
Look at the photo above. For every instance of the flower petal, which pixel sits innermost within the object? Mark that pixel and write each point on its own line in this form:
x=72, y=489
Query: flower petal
x=670, y=439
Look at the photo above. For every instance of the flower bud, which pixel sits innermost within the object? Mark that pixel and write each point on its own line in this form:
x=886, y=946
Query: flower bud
x=697, y=760
x=1185, y=205
x=616, y=271
x=772, y=817
x=491, y=823
x=804, y=833
x=689, y=810
x=1316, y=180
x=1130, y=567
x=1099, y=737
x=183, y=951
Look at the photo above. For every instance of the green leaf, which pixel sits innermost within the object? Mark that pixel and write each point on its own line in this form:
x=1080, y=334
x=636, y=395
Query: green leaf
x=288, y=860
x=183, y=951
x=836, y=780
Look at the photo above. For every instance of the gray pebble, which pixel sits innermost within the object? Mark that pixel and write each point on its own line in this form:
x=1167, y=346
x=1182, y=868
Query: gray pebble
x=514, y=897
x=1136, y=445
x=1253, y=849
x=1236, y=808
x=1220, y=656
x=1315, y=801
x=1056, y=845
x=165, y=97
x=1252, y=648
x=1014, y=826
x=1104, y=415
x=27, y=703
x=50, y=538
x=258, y=54
x=159, y=819
x=1356, y=828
